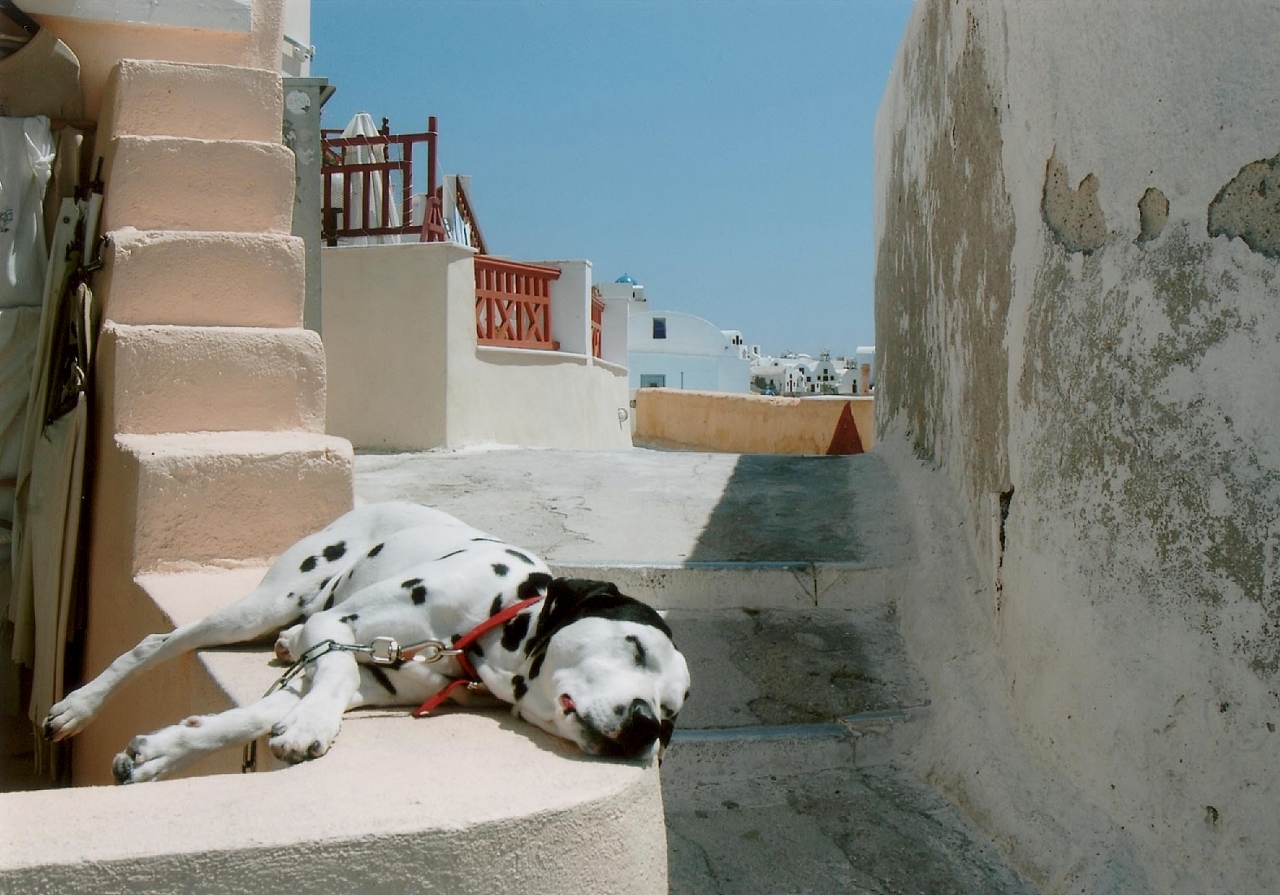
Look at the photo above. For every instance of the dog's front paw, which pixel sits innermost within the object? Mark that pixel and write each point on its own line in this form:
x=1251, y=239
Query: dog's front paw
x=69, y=717
x=298, y=738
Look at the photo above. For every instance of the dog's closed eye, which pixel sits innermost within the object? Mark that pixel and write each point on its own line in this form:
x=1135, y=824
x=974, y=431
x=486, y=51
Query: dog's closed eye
x=641, y=655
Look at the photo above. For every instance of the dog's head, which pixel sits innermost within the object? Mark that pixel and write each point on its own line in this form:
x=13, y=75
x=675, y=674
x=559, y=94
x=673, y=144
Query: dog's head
x=602, y=671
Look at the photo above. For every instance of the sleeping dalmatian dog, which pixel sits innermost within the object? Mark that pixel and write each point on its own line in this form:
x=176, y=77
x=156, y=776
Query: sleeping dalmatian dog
x=585, y=663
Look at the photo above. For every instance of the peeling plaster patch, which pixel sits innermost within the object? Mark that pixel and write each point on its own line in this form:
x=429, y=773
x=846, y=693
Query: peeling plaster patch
x=1248, y=207
x=1074, y=216
x=1153, y=214
x=1163, y=480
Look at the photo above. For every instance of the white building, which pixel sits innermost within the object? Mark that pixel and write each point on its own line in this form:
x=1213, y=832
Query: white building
x=671, y=349
x=826, y=375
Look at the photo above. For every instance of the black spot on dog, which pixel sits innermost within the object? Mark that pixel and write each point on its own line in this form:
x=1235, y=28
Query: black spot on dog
x=533, y=585
x=328, y=604
x=496, y=606
x=513, y=632
x=500, y=570
x=348, y=619
x=325, y=583
x=536, y=667
x=524, y=558
x=455, y=638
x=419, y=595
x=335, y=551
x=519, y=687
x=453, y=553
x=381, y=677
x=641, y=654
x=308, y=564
x=376, y=550
x=411, y=583
x=490, y=540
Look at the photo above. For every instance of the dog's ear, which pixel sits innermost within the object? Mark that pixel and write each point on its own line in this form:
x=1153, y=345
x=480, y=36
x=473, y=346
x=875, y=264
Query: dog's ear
x=570, y=591
x=564, y=595
x=569, y=599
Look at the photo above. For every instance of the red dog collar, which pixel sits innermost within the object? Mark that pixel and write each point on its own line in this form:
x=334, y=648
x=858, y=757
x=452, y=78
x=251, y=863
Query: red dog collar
x=464, y=644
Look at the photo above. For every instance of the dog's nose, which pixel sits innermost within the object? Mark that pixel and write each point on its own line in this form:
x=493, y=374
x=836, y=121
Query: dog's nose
x=640, y=727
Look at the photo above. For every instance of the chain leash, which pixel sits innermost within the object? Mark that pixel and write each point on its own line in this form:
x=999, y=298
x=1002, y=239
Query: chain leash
x=380, y=650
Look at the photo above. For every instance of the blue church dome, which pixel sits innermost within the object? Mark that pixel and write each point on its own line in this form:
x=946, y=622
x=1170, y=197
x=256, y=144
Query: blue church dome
x=625, y=278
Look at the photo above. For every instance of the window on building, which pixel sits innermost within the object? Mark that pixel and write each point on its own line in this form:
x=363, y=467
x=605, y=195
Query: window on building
x=659, y=327
x=653, y=380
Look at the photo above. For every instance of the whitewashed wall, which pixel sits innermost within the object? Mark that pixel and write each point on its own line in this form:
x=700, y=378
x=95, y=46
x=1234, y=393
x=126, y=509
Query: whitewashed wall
x=1078, y=330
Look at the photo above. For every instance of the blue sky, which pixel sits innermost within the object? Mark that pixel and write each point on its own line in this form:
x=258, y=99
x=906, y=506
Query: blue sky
x=718, y=152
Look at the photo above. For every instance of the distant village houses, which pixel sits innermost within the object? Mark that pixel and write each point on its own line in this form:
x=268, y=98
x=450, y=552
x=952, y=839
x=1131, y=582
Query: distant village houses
x=673, y=349
x=801, y=374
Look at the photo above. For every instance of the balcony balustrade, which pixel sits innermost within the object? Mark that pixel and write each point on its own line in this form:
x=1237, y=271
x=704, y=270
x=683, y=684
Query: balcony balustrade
x=513, y=304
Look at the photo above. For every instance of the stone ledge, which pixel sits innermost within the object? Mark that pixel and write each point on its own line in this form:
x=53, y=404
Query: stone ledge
x=462, y=801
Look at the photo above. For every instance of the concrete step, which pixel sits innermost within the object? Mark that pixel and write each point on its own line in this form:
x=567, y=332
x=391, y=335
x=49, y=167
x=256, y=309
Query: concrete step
x=222, y=498
x=206, y=102
x=155, y=379
x=802, y=814
x=178, y=183
x=787, y=667
x=203, y=278
x=467, y=800
x=746, y=585
x=787, y=771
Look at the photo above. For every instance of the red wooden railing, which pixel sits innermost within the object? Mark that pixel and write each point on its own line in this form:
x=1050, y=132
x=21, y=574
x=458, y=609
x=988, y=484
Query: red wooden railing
x=513, y=304
x=351, y=213
x=597, y=323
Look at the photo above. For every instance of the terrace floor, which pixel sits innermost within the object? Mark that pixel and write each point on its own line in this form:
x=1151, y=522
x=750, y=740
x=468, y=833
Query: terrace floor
x=784, y=775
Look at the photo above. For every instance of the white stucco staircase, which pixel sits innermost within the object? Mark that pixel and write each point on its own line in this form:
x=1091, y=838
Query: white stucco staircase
x=212, y=458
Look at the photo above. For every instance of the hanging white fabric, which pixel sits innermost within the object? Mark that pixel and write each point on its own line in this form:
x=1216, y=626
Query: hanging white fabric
x=26, y=164
x=27, y=150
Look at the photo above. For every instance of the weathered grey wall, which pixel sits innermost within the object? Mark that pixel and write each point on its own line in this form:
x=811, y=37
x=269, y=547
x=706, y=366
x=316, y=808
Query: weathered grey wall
x=1078, y=319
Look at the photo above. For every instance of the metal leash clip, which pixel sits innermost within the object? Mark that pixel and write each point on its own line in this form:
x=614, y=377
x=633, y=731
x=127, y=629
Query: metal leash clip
x=429, y=651
x=384, y=651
